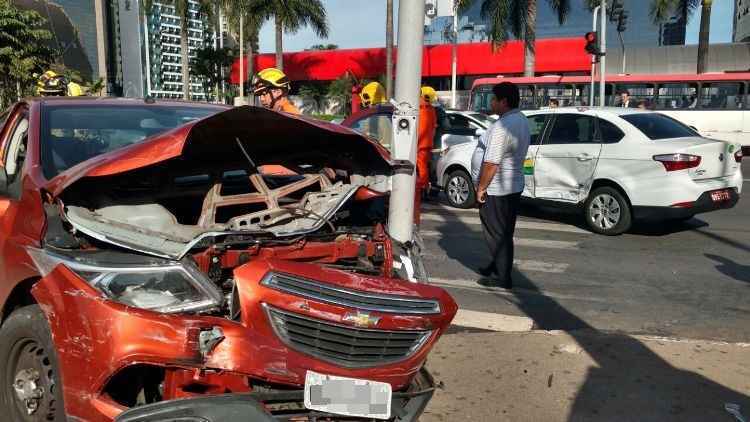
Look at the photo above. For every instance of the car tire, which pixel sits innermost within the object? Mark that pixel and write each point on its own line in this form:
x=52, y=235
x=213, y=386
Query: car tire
x=607, y=212
x=31, y=388
x=459, y=189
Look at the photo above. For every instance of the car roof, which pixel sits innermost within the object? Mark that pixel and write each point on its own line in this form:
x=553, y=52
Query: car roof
x=119, y=101
x=612, y=111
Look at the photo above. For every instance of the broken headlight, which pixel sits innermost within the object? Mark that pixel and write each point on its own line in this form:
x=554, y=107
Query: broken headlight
x=171, y=287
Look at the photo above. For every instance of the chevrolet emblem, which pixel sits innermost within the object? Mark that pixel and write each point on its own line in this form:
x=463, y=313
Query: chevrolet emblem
x=361, y=319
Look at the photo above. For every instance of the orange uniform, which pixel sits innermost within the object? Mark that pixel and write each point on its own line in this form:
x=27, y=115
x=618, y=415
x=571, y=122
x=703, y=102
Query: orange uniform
x=425, y=139
x=286, y=106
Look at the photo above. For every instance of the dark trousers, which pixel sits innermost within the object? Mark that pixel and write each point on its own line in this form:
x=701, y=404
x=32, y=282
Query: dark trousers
x=498, y=215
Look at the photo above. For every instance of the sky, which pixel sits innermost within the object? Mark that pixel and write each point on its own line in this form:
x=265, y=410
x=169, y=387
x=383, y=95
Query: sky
x=361, y=24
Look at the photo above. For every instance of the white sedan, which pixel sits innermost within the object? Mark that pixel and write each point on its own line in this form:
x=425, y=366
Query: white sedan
x=618, y=164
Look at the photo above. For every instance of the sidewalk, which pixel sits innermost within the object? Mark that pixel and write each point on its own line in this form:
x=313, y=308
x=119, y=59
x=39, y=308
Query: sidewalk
x=586, y=376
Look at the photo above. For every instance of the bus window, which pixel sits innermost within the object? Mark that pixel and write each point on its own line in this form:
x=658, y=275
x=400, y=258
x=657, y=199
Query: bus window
x=583, y=98
x=638, y=93
x=481, y=100
x=727, y=95
x=527, y=97
x=677, y=96
x=564, y=94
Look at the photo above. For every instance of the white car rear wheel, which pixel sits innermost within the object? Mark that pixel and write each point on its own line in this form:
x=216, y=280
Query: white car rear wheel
x=608, y=212
x=460, y=190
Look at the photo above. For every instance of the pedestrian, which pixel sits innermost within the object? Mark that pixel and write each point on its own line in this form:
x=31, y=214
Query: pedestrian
x=497, y=167
x=554, y=103
x=425, y=138
x=625, y=101
x=272, y=88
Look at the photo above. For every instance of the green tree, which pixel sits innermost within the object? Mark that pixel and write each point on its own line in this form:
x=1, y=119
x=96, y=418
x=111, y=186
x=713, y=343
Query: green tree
x=291, y=16
x=24, y=51
x=251, y=22
x=315, y=94
x=340, y=94
x=208, y=65
x=516, y=18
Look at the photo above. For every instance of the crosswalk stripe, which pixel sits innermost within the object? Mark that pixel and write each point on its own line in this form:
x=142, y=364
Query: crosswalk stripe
x=473, y=286
x=520, y=224
x=492, y=322
x=518, y=241
x=520, y=264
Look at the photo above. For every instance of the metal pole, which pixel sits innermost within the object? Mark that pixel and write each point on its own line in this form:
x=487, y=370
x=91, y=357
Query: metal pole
x=454, y=52
x=593, y=61
x=389, y=49
x=242, y=57
x=603, y=62
x=408, y=78
x=622, y=45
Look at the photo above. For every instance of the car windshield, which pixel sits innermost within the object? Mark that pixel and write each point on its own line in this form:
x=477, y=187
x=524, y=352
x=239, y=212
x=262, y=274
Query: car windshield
x=658, y=126
x=73, y=134
x=485, y=119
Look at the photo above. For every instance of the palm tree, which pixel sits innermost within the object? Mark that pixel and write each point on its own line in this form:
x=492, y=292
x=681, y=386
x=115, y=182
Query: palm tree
x=517, y=18
x=251, y=22
x=662, y=10
x=291, y=16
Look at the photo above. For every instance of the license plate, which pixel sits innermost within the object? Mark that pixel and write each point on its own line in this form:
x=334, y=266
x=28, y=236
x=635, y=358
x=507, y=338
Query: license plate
x=720, y=196
x=347, y=396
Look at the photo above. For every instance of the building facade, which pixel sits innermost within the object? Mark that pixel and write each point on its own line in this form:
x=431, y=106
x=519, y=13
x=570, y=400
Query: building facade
x=741, y=32
x=641, y=31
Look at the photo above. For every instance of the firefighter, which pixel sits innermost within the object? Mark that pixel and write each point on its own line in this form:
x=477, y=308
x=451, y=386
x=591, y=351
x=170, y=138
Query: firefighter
x=272, y=87
x=426, y=136
x=51, y=84
x=372, y=94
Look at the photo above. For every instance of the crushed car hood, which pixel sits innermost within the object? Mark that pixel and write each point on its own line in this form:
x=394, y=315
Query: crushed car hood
x=268, y=137
x=124, y=197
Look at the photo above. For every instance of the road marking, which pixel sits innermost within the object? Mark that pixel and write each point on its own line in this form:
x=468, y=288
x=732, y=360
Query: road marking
x=518, y=241
x=520, y=224
x=520, y=264
x=492, y=322
x=516, y=291
x=746, y=180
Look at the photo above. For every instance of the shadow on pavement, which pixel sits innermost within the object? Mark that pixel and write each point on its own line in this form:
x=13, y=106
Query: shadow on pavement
x=630, y=381
x=725, y=240
x=730, y=268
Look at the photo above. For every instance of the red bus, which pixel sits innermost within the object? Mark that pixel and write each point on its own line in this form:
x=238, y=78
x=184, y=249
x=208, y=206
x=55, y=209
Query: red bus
x=714, y=103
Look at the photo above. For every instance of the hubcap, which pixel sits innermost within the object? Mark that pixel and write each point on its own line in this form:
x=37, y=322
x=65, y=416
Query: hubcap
x=605, y=211
x=28, y=390
x=458, y=190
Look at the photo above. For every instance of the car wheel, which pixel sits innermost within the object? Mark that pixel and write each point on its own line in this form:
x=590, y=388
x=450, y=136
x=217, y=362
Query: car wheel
x=460, y=189
x=31, y=390
x=608, y=212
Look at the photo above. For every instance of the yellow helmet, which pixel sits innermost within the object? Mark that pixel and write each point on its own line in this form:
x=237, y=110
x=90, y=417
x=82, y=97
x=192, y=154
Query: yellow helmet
x=52, y=84
x=429, y=94
x=270, y=78
x=372, y=94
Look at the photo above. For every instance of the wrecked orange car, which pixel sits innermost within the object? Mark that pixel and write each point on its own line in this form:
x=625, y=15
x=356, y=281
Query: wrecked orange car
x=151, y=272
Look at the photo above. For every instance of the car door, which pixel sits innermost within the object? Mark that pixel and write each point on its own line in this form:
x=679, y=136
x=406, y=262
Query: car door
x=377, y=126
x=537, y=129
x=565, y=162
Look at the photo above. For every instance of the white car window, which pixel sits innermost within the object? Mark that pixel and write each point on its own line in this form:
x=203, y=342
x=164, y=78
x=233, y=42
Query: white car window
x=572, y=129
x=536, y=127
x=378, y=126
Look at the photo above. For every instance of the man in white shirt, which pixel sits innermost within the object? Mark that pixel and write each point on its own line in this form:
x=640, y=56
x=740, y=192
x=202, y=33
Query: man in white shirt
x=497, y=168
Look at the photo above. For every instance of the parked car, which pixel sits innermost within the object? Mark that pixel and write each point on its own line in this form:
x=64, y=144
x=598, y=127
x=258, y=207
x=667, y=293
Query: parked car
x=153, y=270
x=453, y=128
x=617, y=164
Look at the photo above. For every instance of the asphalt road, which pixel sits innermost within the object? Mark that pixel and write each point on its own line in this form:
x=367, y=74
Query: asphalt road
x=685, y=280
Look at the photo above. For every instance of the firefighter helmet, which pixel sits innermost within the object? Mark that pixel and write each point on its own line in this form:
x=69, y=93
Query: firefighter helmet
x=372, y=94
x=429, y=94
x=52, y=84
x=270, y=78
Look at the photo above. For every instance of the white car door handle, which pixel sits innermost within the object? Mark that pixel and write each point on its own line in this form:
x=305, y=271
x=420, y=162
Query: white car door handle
x=585, y=157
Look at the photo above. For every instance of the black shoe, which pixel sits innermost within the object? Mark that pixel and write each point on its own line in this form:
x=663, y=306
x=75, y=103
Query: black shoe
x=493, y=282
x=487, y=271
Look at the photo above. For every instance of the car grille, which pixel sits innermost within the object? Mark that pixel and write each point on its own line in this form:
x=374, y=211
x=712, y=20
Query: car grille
x=343, y=345
x=350, y=298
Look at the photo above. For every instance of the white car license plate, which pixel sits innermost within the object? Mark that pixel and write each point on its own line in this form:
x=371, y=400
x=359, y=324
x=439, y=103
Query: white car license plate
x=720, y=196
x=347, y=396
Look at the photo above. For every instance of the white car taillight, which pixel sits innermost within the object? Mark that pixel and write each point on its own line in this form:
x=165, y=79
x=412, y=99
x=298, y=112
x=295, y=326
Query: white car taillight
x=674, y=162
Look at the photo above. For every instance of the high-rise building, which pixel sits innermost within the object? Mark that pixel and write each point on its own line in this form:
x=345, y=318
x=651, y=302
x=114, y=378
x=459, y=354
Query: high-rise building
x=741, y=32
x=641, y=31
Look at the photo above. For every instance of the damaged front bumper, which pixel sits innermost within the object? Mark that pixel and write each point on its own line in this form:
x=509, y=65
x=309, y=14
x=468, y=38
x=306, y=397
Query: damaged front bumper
x=273, y=406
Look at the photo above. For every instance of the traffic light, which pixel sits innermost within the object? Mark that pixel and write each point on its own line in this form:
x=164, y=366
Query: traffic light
x=622, y=21
x=592, y=44
x=616, y=10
